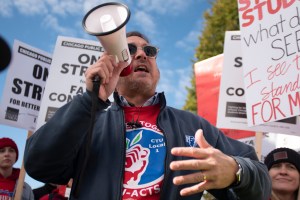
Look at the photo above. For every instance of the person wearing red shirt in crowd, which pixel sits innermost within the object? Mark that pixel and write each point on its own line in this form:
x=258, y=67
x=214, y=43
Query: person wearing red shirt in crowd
x=284, y=170
x=8, y=174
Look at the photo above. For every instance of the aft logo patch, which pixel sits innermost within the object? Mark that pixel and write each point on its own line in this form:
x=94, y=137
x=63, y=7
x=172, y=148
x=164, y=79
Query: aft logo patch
x=190, y=141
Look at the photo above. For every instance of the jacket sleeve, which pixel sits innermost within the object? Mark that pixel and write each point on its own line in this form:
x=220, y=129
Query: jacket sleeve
x=27, y=193
x=255, y=181
x=51, y=153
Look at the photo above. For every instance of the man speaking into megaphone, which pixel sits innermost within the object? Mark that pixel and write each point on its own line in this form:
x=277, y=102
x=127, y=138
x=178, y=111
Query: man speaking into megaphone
x=140, y=148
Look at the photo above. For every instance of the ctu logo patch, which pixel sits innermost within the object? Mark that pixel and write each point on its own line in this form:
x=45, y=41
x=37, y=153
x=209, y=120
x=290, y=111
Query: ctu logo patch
x=144, y=164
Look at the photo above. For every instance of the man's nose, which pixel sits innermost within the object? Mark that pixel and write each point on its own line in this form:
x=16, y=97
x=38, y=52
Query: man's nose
x=140, y=53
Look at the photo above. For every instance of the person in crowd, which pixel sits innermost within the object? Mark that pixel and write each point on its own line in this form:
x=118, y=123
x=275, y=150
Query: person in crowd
x=9, y=175
x=284, y=168
x=140, y=147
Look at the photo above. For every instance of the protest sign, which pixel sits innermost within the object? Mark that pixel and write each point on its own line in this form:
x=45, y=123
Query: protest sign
x=232, y=103
x=24, y=86
x=207, y=77
x=270, y=37
x=71, y=58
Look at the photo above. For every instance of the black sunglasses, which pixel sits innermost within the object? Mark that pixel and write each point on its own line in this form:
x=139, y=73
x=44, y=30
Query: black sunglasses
x=150, y=51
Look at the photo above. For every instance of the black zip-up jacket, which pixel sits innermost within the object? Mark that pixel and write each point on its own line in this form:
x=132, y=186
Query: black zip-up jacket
x=54, y=153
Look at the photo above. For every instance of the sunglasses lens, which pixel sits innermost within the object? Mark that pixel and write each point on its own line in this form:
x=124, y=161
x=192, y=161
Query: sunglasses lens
x=132, y=49
x=150, y=51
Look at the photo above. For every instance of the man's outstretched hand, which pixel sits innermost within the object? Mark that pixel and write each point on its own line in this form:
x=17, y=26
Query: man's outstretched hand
x=215, y=169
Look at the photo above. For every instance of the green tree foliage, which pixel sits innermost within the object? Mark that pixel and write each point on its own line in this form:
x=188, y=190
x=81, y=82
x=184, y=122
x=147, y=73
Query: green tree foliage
x=223, y=16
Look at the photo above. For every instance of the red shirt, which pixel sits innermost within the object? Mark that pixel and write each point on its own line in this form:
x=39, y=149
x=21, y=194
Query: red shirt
x=145, y=154
x=7, y=185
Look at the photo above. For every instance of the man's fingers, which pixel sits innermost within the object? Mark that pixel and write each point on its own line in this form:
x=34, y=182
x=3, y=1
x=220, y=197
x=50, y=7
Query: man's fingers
x=200, y=187
x=192, y=178
x=194, y=164
x=188, y=152
x=200, y=139
x=192, y=151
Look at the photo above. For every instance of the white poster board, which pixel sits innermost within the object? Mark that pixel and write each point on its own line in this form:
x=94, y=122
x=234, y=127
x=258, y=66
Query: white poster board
x=270, y=36
x=271, y=141
x=232, y=103
x=24, y=86
x=71, y=58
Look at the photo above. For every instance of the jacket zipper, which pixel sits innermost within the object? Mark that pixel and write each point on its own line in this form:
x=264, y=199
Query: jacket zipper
x=167, y=155
x=123, y=152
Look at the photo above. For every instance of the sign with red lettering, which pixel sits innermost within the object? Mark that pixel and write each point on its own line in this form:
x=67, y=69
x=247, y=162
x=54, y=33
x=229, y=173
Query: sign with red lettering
x=232, y=103
x=270, y=37
x=24, y=86
x=71, y=58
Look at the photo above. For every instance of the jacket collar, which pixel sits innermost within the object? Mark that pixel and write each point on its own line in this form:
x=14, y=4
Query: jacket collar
x=157, y=98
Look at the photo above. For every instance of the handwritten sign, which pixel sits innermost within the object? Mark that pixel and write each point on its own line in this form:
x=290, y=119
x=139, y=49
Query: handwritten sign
x=232, y=103
x=270, y=36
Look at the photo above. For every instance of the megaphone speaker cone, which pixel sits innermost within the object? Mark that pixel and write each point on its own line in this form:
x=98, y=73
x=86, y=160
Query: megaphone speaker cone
x=111, y=12
x=107, y=22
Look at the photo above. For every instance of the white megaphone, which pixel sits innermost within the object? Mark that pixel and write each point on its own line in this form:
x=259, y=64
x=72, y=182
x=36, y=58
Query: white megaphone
x=107, y=22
